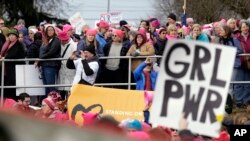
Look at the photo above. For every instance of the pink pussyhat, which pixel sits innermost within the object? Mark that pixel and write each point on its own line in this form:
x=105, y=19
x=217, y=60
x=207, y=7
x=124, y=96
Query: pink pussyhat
x=139, y=135
x=89, y=118
x=9, y=103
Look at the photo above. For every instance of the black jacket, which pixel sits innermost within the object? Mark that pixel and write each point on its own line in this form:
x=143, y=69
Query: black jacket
x=52, y=50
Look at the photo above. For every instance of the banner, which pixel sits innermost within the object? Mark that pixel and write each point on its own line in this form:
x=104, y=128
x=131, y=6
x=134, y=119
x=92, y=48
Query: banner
x=112, y=17
x=121, y=104
x=78, y=22
x=193, y=79
x=28, y=75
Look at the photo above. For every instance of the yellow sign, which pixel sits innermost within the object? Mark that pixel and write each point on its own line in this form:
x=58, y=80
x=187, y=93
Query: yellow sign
x=121, y=104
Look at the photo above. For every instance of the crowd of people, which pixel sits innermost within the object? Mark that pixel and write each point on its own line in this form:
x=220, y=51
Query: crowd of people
x=82, y=64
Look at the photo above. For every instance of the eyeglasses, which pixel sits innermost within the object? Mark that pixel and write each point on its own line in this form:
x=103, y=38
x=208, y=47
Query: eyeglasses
x=114, y=35
x=164, y=33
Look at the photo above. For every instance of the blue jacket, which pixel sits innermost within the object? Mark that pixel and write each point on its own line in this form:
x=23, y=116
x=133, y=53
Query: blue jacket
x=101, y=40
x=82, y=45
x=233, y=42
x=140, y=79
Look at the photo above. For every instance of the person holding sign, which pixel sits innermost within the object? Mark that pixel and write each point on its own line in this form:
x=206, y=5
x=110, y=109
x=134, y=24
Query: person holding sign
x=145, y=75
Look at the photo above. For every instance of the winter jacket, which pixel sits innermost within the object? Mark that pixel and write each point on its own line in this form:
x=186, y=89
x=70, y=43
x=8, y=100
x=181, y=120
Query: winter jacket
x=52, y=50
x=202, y=37
x=86, y=70
x=66, y=75
x=140, y=79
x=100, y=38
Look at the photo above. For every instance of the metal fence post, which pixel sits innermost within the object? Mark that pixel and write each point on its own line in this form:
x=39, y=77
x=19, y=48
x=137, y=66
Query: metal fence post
x=129, y=73
x=2, y=83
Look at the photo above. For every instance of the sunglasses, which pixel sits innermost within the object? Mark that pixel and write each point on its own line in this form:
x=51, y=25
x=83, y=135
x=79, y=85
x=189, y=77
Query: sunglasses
x=1, y=23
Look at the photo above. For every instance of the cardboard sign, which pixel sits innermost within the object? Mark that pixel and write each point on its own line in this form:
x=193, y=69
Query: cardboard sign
x=121, y=104
x=112, y=17
x=78, y=22
x=28, y=75
x=193, y=79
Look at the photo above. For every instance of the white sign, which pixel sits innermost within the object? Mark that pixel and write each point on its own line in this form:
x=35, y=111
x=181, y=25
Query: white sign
x=194, y=79
x=78, y=22
x=112, y=18
x=28, y=75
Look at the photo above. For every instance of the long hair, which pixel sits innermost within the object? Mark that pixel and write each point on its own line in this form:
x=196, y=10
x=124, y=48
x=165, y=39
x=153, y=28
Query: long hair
x=88, y=42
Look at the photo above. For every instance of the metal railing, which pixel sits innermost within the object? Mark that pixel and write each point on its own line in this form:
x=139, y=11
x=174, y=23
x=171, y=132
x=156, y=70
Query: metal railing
x=96, y=84
x=67, y=85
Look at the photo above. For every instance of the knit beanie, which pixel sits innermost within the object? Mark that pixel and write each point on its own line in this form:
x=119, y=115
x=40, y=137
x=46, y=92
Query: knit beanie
x=172, y=16
x=90, y=49
x=119, y=33
x=14, y=32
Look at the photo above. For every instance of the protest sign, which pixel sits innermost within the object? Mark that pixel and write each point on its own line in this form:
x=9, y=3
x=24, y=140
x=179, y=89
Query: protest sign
x=112, y=17
x=28, y=75
x=121, y=104
x=194, y=79
x=77, y=22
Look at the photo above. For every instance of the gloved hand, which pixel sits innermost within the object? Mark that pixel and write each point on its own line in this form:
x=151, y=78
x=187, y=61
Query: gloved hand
x=136, y=53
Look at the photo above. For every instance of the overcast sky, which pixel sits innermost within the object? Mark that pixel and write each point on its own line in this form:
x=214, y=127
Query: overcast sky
x=132, y=10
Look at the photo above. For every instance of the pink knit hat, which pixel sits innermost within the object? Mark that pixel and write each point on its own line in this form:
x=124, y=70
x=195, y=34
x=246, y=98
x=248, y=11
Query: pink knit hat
x=139, y=135
x=63, y=36
x=89, y=118
x=155, y=23
x=91, y=32
x=103, y=24
x=51, y=100
x=142, y=31
x=9, y=103
x=67, y=27
x=119, y=33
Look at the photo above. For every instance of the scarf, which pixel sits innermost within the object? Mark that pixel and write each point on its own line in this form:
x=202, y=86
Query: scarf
x=6, y=46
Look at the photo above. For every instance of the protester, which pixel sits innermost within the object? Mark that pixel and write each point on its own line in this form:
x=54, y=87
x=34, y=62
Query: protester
x=244, y=39
x=103, y=27
x=65, y=76
x=34, y=48
x=117, y=68
x=86, y=67
x=237, y=90
x=145, y=75
x=90, y=40
x=22, y=106
x=141, y=48
x=196, y=34
x=49, y=108
x=51, y=48
x=12, y=49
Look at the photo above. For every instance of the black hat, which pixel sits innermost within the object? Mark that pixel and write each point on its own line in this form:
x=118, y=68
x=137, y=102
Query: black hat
x=91, y=49
x=172, y=16
x=123, y=22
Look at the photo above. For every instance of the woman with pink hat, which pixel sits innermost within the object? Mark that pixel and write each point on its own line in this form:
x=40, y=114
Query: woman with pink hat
x=49, y=107
x=141, y=48
x=90, y=40
x=117, y=68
